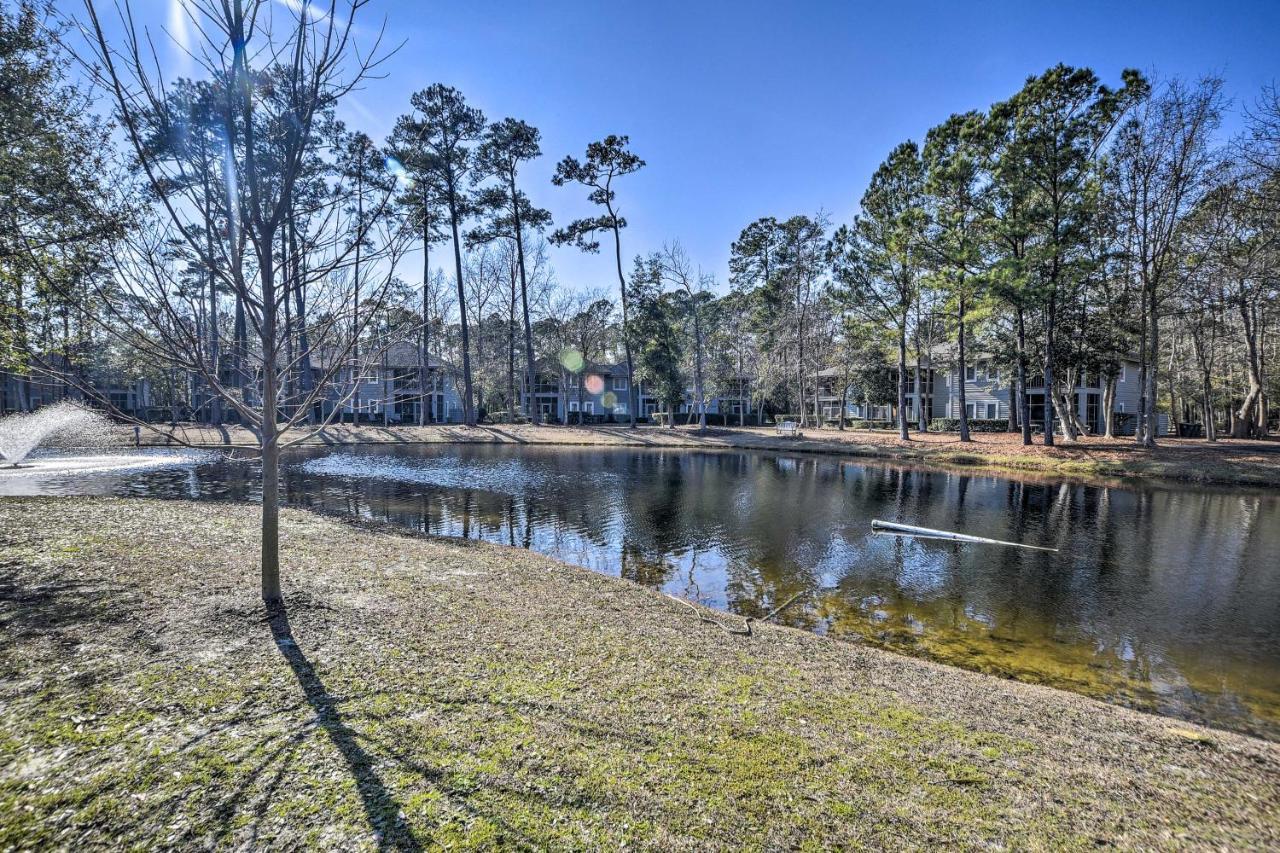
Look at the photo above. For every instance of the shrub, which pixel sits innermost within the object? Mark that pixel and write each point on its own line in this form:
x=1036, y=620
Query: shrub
x=1124, y=423
x=858, y=423
x=975, y=424
x=713, y=419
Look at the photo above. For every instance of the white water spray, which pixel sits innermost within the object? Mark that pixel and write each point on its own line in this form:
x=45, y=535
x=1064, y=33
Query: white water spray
x=64, y=424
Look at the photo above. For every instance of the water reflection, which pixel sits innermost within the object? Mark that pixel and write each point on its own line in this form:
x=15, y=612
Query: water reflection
x=1164, y=599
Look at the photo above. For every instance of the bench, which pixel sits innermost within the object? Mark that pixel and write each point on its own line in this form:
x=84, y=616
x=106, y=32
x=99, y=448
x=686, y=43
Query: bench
x=788, y=429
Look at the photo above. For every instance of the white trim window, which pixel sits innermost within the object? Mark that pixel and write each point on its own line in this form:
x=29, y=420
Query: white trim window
x=588, y=407
x=1120, y=408
x=969, y=410
x=1121, y=377
x=573, y=405
x=970, y=373
x=619, y=383
x=991, y=411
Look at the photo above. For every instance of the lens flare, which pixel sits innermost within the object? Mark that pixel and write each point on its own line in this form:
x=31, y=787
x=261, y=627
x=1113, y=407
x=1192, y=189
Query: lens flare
x=610, y=400
x=180, y=33
x=397, y=170
x=572, y=360
x=594, y=384
x=304, y=8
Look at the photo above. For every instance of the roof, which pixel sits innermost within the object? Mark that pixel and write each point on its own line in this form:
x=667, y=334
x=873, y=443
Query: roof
x=548, y=364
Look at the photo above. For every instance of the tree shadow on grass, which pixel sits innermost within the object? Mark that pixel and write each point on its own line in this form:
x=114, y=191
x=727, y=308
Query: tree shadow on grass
x=380, y=806
x=504, y=435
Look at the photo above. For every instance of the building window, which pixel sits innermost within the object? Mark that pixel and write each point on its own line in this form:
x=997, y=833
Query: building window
x=969, y=409
x=619, y=383
x=621, y=408
x=1120, y=406
x=589, y=407
x=573, y=405
x=1122, y=376
x=991, y=411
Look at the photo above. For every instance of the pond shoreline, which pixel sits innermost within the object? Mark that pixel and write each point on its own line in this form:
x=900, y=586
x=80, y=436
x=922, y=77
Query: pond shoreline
x=423, y=690
x=1228, y=462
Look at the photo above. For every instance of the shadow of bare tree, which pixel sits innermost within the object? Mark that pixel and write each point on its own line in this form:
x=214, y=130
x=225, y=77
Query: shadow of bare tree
x=380, y=806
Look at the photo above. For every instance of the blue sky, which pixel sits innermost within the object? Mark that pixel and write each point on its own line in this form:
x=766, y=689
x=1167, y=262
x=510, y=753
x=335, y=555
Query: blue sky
x=746, y=109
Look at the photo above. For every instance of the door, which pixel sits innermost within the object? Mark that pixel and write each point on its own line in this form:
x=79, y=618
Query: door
x=1093, y=413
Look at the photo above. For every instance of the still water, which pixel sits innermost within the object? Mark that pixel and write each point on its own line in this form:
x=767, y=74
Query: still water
x=1165, y=599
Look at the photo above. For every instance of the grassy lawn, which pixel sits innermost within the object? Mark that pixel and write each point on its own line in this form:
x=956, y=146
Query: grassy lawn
x=424, y=694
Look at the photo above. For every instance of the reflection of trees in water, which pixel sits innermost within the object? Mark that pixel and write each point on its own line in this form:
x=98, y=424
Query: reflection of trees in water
x=1153, y=586
x=643, y=568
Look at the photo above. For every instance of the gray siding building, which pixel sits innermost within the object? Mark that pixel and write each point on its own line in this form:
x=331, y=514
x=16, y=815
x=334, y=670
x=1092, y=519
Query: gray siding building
x=988, y=392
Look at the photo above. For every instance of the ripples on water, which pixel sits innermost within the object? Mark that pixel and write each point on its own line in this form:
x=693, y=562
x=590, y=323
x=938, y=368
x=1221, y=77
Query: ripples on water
x=1167, y=599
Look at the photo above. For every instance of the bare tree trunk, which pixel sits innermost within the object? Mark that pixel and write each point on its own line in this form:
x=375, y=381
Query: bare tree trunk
x=1259, y=323
x=1150, y=387
x=271, y=595
x=582, y=379
x=1024, y=399
x=468, y=401
x=1247, y=422
x=1108, y=405
x=632, y=400
x=240, y=348
x=424, y=357
x=306, y=381
x=1206, y=406
x=512, y=402
x=960, y=338
x=530, y=408
x=1050, y=316
x=388, y=389
x=902, y=383
x=215, y=402
x=844, y=399
x=563, y=398
x=1014, y=412
x=1141, y=418
x=355, y=303
x=921, y=424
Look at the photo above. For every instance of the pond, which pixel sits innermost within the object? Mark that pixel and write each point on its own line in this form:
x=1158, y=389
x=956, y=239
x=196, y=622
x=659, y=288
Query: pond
x=1164, y=599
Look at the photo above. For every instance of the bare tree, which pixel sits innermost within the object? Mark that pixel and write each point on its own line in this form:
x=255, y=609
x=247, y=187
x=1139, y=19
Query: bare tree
x=1162, y=167
x=694, y=295
x=274, y=76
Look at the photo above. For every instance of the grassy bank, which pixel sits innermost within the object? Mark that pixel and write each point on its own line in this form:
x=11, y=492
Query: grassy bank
x=424, y=694
x=1227, y=462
